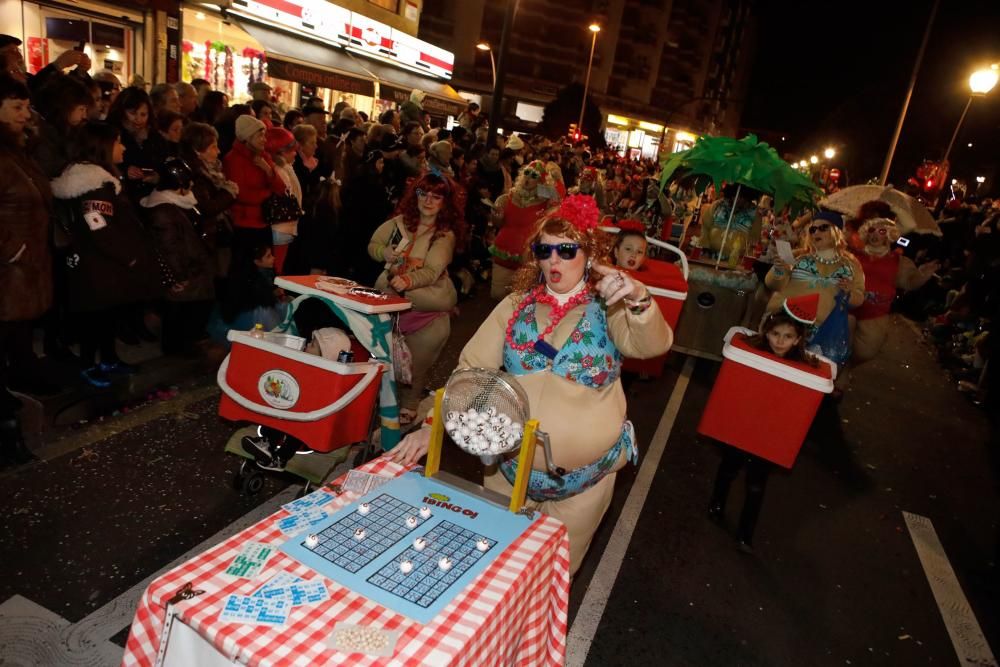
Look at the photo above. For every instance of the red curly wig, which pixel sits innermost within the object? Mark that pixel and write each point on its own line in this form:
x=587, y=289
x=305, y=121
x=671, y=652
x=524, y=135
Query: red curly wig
x=449, y=219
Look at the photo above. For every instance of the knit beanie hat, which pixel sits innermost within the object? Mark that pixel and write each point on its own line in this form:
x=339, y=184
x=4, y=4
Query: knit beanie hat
x=247, y=126
x=278, y=140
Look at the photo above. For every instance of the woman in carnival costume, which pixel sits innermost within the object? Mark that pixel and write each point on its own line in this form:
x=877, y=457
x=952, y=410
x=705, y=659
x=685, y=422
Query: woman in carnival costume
x=563, y=332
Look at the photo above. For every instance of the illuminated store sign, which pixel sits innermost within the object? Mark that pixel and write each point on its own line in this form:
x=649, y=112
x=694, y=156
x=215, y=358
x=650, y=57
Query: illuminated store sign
x=355, y=32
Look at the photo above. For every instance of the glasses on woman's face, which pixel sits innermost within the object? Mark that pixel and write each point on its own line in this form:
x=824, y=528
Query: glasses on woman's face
x=819, y=228
x=429, y=196
x=566, y=251
x=531, y=173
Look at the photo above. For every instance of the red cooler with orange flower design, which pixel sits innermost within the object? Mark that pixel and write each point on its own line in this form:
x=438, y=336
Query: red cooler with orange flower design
x=762, y=403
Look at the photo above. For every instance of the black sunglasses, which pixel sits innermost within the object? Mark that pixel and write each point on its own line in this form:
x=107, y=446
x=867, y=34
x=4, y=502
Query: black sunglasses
x=819, y=228
x=566, y=251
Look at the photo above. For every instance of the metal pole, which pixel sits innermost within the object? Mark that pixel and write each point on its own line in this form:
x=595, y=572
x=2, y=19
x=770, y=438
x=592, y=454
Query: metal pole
x=909, y=94
x=493, y=66
x=496, y=108
x=951, y=144
x=586, y=85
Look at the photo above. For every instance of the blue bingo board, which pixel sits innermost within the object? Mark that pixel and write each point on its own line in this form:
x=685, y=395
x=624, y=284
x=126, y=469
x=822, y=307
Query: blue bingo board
x=467, y=530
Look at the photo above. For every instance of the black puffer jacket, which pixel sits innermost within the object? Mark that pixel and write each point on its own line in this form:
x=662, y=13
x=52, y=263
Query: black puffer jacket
x=110, y=260
x=173, y=223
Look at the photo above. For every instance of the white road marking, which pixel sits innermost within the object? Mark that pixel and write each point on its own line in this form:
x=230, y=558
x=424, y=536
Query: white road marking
x=588, y=617
x=963, y=628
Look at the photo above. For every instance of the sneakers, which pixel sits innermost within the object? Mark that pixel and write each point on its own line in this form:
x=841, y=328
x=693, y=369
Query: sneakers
x=96, y=377
x=118, y=368
x=258, y=447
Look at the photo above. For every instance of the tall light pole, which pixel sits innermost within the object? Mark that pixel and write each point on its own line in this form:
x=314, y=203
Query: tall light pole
x=594, y=29
x=980, y=83
x=483, y=46
x=496, y=105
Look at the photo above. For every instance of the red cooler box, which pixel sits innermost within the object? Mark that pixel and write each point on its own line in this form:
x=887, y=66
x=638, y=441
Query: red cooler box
x=667, y=283
x=741, y=409
x=324, y=403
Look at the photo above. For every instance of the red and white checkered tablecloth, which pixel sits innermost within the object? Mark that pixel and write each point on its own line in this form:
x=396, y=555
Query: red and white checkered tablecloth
x=514, y=613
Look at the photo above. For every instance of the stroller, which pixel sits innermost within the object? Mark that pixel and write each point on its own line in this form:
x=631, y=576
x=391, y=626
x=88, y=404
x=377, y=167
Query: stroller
x=327, y=405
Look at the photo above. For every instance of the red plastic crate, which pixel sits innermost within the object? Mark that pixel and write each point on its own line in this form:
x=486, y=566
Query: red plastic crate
x=668, y=287
x=763, y=404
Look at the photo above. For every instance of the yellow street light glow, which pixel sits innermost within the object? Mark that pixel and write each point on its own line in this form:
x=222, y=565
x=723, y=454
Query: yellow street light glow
x=829, y=153
x=593, y=27
x=483, y=46
x=983, y=80
x=652, y=127
x=803, y=164
x=980, y=179
x=617, y=120
x=813, y=159
x=685, y=136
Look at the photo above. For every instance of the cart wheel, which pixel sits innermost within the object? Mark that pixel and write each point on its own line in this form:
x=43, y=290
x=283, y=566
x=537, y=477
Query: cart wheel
x=239, y=475
x=252, y=482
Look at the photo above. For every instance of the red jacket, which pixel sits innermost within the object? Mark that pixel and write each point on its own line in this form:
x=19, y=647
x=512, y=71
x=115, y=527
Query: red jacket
x=255, y=186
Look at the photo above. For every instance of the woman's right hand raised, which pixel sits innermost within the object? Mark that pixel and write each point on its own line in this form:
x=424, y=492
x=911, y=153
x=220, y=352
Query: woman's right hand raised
x=263, y=165
x=413, y=446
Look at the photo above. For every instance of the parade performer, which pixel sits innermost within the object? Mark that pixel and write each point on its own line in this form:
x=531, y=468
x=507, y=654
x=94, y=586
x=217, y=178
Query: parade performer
x=563, y=332
x=416, y=247
x=630, y=246
x=783, y=334
x=744, y=229
x=517, y=214
x=827, y=268
x=885, y=271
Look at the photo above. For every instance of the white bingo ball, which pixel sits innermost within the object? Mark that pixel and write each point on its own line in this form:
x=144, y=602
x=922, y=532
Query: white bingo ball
x=451, y=416
x=425, y=512
x=364, y=508
x=451, y=425
x=360, y=533
x=312, y=541
x=411, y=522
x=471, y=414
x=406, y=566
x=482, y=544
x=419, y=544
x=445, y=563
x=504, y=419
x=491, y=411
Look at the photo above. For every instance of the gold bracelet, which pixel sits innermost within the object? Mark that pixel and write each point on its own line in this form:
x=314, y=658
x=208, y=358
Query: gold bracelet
x=637, y=306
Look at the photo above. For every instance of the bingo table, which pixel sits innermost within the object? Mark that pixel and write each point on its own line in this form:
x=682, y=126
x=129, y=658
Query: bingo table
x=410, y=571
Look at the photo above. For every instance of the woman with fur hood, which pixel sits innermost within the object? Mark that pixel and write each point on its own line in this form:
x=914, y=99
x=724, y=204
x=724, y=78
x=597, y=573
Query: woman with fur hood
x=109, y=262
x=173, y=221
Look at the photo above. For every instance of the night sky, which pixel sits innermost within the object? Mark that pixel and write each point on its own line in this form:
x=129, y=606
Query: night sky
x=841, y=80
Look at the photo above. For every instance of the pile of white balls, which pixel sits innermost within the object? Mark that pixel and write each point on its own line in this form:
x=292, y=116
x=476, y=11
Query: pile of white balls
x=485, y=432
x=359, y=639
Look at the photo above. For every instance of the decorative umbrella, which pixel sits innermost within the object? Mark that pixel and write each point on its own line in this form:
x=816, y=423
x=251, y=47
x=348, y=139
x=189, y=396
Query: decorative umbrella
x=747, y=163
x=911, y=215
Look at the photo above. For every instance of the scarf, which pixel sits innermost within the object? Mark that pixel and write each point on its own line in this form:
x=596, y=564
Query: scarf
x=219, y=180
x=172, y=197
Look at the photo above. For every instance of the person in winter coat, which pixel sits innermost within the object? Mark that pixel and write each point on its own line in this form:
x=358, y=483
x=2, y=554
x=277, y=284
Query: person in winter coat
x=252, y=169
x=62, y=104
x=412, y=110
x=173, y=217
x=365, y=208
x=110, y=264
x=280, y=145
x=25, y=261
x=145, y=148
x=214, y=192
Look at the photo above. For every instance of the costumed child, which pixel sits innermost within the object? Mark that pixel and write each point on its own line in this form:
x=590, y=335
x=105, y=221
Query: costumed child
x=783, y=334
x=630, y=247
x=250, y=297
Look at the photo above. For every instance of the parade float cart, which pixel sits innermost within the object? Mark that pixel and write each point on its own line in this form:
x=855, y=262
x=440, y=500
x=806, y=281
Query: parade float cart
x=268, y=380
x=763, y=404
x=720, y=298
x=256, y=598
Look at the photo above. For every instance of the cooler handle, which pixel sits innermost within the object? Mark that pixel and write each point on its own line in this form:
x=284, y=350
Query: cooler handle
x=315, y=415
x=685, y=270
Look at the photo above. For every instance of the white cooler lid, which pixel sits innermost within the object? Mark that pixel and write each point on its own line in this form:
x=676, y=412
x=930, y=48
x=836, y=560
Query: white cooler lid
x=770, y=365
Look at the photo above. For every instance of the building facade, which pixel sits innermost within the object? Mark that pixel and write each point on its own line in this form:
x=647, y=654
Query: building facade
x=663, y=70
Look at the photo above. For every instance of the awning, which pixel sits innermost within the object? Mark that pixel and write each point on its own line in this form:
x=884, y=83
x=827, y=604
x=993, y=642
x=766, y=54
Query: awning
x=301, y=60
x=328, y=67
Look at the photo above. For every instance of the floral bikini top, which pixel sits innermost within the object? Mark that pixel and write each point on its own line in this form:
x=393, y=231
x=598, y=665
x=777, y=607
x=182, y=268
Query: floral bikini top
x=588, y=357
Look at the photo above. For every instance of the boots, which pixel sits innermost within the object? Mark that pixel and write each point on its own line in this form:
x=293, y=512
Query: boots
x=12, y=447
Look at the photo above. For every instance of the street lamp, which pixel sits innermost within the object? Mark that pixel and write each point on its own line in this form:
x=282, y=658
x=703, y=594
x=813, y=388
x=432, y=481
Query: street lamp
x=829, y=153
x=980, y=83
x=594, y=29
x=803, y=164
x=979, y=182
x=814, y=159
x=483, y=46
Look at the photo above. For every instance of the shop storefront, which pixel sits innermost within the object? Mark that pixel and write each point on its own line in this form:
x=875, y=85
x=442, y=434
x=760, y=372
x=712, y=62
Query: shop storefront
x=113, y=37
x=315, y=49
x=641, y=139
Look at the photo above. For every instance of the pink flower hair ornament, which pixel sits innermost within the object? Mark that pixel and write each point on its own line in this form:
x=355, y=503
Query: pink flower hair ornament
x=580, y=211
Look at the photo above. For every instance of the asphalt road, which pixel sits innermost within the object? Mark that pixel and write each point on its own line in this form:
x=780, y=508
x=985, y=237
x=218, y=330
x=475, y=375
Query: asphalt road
x=834, y=578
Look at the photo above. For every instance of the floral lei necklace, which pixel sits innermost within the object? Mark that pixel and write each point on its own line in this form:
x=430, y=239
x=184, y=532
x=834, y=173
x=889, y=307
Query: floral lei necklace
x=539, y=295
